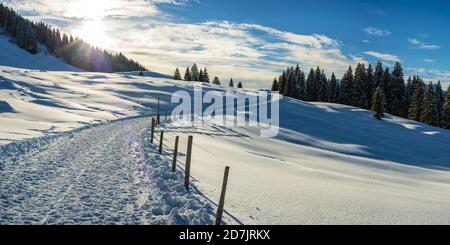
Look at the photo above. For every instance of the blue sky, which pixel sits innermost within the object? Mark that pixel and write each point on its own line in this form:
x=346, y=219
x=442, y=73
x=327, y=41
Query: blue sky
x=254, y=40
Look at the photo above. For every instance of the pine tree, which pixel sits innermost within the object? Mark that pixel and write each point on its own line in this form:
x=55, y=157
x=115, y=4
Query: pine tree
x=416, y=102
x=428, y=112
x=446, y=114
x=231, y=84
x=347, y=88
x=187, y=75
x=378, y=103
x=395, y=92
x=317, y=84
x=65, y=40
x=359, y=87
x=385, y=80
x=291, y=83
x=301, y=84
x=310, y=81
x=322, y=95
x=333, y=91
x=282, y=83
x=409, y=90
x=240, y=85
x=58, y=42
x=194, y=73
x=370, y=82
x=206, y=78
x=216, y=81
x=275, y=85
x=378, y=76
x=440, y=100
x=177, y=75
x=200, y=76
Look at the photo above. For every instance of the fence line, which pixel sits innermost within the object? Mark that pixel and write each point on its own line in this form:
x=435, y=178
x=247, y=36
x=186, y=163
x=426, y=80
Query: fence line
x=157, y=122
x=221, y=203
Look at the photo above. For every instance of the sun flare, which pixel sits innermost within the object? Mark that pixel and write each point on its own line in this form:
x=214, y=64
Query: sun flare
x=93, y=32
x=92, y=14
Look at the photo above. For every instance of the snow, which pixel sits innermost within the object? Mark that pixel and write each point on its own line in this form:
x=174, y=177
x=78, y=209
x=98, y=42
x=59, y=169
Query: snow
x=50, y=102
x=11, y=55
x=108, y=174
x=147, y=74
x=330, y=164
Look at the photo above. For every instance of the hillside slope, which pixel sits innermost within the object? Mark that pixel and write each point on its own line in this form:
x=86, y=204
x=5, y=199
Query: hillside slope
x=41, y=102
x=13, y=56
x=330, y=164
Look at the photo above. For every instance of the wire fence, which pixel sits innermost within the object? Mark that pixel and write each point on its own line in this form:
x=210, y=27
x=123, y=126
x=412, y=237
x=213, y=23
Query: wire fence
x=164, y=143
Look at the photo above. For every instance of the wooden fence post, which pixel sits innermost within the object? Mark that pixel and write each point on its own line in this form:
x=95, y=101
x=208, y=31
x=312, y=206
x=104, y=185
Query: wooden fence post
x=222, y=197
x=161, y=140
x=158, y=118
x=175, y=154
x=187, y=168
x=153, y=130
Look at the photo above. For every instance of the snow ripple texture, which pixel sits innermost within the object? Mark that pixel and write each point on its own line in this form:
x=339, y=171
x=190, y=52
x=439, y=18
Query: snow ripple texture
x=108, y=174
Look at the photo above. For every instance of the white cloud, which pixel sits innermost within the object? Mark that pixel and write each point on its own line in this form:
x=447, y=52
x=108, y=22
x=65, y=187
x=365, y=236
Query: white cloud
x=429, y=60
x=422, y=45
x=248, y=52
x=373, y=31
x=381, y=56
x=227, y=47
x=90, y=9
x=430, y=74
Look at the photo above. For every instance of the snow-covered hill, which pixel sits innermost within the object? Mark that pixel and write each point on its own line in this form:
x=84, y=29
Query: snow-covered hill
x=330, y=164
x=43, y=102
x=12, y=55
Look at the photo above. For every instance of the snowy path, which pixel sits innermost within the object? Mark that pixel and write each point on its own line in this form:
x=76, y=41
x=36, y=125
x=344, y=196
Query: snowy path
x=100, y=175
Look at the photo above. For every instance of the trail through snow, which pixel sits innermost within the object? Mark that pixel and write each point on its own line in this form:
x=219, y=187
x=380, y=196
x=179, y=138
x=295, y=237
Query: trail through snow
x=107, y=174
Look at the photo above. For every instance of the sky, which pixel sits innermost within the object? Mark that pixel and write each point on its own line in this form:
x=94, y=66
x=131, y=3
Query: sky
x=253, y=40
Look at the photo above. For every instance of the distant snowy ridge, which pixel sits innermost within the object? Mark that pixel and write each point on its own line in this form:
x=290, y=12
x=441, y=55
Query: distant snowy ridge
x=147, y=74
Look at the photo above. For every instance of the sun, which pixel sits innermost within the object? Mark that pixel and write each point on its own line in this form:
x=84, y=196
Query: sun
x=92, y=20
x=93, y=32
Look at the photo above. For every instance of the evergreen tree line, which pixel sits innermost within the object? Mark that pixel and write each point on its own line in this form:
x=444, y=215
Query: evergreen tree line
x=202, y=75
x=76, y=52
x=193, y=74
x=377, y=89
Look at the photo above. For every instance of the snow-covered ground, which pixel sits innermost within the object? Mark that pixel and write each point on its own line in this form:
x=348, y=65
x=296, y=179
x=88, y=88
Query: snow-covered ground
x=109, y=174
x=330, y=164
x=42, y=102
